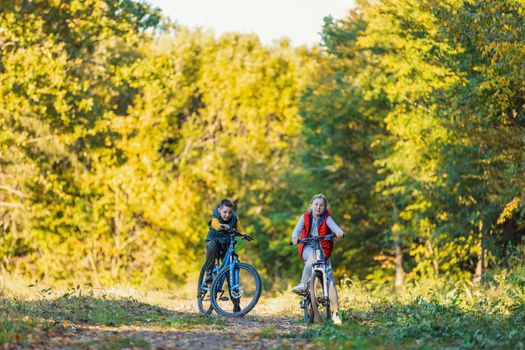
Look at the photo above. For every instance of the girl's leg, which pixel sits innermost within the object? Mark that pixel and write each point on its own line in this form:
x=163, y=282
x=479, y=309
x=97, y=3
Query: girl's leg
x=332, y=290
x=308, y=258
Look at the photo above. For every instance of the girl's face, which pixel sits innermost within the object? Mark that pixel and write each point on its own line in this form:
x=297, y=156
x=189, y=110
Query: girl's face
x=318, y=207
x=226, y=213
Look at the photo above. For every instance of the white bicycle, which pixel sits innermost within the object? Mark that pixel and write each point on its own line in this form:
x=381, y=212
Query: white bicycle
x=315, y=301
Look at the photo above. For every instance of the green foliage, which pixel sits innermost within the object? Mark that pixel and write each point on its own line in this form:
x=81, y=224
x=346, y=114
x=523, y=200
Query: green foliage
x=58, y=83
x=441, y=158
x=119, y=133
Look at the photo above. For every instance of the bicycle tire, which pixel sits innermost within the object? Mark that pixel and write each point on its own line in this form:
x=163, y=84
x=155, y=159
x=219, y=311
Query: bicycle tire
x=320, y=304
x=224, y=305
x=308, y=311
x=203, y=295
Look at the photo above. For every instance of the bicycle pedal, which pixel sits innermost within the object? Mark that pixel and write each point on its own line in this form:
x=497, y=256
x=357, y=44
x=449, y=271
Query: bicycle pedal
x=224, y=298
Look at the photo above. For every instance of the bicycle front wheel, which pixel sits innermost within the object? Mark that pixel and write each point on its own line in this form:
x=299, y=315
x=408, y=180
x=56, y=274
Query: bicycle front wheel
x=308, y=310
x=319, y=299
x=239, y=297
x=203, y=294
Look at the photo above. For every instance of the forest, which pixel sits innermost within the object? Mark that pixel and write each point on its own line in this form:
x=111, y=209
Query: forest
x=120, y=130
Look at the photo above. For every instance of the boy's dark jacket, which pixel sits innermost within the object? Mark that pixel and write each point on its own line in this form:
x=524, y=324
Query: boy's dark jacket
x=220, y=235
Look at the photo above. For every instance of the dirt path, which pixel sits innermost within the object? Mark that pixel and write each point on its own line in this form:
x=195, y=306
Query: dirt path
x=274, y=324
x=248, y=333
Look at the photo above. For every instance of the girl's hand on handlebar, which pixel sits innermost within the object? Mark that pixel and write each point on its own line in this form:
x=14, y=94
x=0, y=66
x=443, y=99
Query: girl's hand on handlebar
x=294, y=240
x=340, y=234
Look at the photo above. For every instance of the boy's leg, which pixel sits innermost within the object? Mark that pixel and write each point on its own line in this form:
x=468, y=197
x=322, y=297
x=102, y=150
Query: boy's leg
x=222, y=248
x=212, y=247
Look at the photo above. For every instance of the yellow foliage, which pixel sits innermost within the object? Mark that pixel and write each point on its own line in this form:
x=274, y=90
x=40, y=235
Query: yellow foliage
x=509, y=209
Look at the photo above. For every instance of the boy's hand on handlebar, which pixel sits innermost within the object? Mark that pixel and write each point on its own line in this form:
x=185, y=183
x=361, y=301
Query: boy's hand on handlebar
x=247, y=237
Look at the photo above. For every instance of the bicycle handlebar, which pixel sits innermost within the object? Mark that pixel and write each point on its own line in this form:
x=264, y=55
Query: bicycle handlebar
x=304, y=240
x=234, y=233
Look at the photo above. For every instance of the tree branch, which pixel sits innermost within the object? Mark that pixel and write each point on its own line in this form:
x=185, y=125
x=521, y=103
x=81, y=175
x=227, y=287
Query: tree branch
x=12, y=190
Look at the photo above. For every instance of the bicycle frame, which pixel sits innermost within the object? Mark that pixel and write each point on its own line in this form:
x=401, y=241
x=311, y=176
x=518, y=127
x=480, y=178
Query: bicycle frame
x=230, y=259
x=320, y=265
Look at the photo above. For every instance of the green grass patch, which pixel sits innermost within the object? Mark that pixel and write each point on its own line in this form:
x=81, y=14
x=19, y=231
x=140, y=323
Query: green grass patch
x=27, y=321
x=268, y=332
x=197, y=321
x=114, y=344
x=14, y=330
x=273, y=332
x=422, y=324
x=99, y=311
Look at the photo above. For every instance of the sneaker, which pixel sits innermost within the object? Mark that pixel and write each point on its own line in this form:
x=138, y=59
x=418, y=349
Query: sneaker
x=208, y=279
x=336, y=319
x=236, y=308
x=299, y=289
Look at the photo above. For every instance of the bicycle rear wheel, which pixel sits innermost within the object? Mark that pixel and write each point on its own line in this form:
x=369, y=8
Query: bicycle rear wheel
x=320, y=303
x=239, y=299
x=203, y=294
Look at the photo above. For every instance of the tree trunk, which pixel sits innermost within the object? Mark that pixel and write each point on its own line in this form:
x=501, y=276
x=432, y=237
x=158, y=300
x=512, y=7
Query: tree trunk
x=435, y=263
x=481, y=261
x=398, y=260
x=400, y=273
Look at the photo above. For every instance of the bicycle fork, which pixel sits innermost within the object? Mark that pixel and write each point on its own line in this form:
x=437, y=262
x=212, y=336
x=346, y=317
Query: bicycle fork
x=325, y=282
x=234, y=279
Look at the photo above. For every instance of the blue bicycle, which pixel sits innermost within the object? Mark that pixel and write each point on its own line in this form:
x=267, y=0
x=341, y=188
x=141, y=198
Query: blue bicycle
x=236, y=286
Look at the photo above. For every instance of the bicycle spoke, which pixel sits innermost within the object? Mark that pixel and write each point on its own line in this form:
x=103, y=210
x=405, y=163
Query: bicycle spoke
x=203, y=295
x=247, y=284
x=242, y=296
x=222, y=297
x=320, y=302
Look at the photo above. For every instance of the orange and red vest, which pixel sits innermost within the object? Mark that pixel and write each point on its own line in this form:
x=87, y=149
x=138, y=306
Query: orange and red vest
x=323, y=230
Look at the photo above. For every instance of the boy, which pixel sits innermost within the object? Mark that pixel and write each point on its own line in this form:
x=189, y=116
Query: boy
x=222, y=219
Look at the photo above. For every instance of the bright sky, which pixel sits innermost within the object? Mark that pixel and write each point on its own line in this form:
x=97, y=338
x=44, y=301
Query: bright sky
x=299, y=20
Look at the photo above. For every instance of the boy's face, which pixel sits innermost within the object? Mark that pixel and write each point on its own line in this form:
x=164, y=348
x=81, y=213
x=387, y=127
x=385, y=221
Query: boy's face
x=318, y=207
x=226, y=213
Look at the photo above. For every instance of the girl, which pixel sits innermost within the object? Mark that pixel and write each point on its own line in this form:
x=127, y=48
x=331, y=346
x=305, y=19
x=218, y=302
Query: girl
x=317, y=222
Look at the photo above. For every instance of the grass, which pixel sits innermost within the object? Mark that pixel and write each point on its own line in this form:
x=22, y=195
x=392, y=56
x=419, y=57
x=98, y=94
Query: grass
x=268, y=332
x=113, y=344
x=430, y=315
x=28, y=317
x=15, y=329
x=101, y=311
